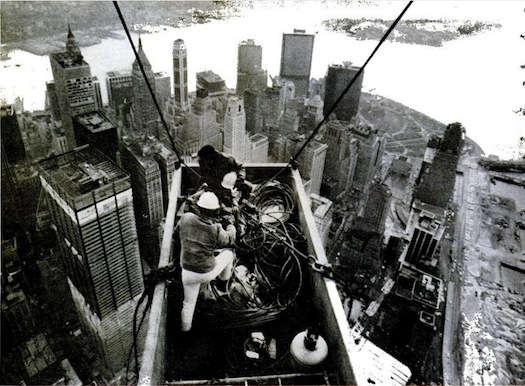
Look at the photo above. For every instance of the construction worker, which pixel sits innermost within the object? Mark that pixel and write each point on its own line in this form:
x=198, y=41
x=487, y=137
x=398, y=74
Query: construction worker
x=214, y=165
x=205, y=255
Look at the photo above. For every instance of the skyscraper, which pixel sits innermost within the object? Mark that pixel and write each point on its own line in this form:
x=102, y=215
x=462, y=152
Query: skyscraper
x=202, y=128
x=11, y=136
x=162, y=88
x=341, y=159
x=150, y=165
x=98, y=94
x=235, y=128
x=180, y=75
x=52, y=100
x=371, y=148
x=337, y=79
x=95, y=129
x=257, y=148
x=91, y=206
x=250, y=75
x=73, y=86
x=425, y=228
x=120, y=89
x=296, y=59
x=311, y=160
x=144, y=110
x=322, y=209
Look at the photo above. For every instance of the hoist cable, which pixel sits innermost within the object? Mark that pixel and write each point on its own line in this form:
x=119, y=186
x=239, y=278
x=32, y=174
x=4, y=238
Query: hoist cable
x=293, y=160
x=148, y=84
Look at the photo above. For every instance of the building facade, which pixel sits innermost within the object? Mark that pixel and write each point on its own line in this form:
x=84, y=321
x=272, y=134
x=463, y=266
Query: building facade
x=145, y=114
x=91, y=206
x=311, y=161
x=119, y=87
x=338, y=78
x=180, y=75
x=202, y=127
x=341, y=159
x=235, y=129
x=296, y=59
x=95, y=129
x=150, y=165
x=73, y=86
x=250, y=74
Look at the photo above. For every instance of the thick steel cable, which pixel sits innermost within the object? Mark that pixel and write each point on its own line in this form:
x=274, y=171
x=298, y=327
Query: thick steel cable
x=153, y=97
x=345, y=91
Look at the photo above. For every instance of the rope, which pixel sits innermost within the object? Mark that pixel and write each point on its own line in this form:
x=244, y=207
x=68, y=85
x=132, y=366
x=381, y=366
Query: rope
x=150, y=89
x=293, y=160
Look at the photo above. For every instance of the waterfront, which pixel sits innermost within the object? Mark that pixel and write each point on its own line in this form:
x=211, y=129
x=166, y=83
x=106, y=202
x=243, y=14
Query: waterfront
x=474, y=80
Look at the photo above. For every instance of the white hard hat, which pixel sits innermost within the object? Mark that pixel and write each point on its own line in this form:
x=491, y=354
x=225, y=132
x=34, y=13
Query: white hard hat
x=208, y=200
x=229, y=180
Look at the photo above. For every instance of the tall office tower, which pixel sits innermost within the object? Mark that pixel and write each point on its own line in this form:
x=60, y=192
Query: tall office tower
x=425, y=227
x=217, y=91
x=341, y=159
x=250, y=74
x=151, y=165
x=287, y=89
x=271, y=111
x=371, y=148
x=162, y=88
x=337, y=79
x=73, y=85
x=314, y=112
x=375, y=210
x=235, y=129
x=119, y=86
x=311, y=161
x=11, y=136
x=95, y=129
x=289, y=120
x=91, y=205
x=211, y=82
x=52, y=100
x=453, y=139
x=98, y=95
x=322, y=209
x=144, y=111
x=253, y=109
x=180, y=75
x=258, y=147
x=296, y=60
x=202, y=124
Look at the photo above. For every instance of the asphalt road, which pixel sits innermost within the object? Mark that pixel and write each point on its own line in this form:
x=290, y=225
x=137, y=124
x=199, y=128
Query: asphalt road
x=451, y=355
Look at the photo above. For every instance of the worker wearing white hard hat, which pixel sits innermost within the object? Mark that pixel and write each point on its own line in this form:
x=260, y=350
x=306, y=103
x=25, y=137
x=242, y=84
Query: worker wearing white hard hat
x=201, y=237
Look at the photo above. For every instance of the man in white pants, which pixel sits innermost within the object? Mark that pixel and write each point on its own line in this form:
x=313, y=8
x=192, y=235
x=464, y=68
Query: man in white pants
x=201, y=235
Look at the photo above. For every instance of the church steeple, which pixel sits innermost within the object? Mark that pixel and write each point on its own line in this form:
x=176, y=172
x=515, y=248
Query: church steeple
x=145, y=62
x=70, y=34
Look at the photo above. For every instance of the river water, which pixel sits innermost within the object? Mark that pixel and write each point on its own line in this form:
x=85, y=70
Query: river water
x=474, y=80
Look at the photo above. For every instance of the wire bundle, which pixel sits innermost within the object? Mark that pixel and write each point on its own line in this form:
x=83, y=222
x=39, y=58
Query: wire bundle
x=269, y=252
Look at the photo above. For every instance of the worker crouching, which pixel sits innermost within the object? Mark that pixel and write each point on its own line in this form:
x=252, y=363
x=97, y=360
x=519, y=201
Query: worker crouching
x=205, y=255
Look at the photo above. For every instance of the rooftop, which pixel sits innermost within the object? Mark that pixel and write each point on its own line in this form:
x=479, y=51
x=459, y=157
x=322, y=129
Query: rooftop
x=82, y=175
x=437, y=180
x=94, y=121
x=68, y=60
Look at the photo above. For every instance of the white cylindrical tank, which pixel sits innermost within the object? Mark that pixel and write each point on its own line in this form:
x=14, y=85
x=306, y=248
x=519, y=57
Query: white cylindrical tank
x=308, y=348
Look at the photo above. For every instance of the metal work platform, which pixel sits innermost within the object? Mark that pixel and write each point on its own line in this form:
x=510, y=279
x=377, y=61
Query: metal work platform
x=237, y=347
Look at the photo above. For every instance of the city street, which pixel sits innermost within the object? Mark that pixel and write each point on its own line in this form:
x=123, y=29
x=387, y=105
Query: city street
x=451, y=343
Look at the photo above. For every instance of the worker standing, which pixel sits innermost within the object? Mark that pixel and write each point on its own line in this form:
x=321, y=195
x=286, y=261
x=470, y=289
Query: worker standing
x=214, y=165
x=202, y=260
